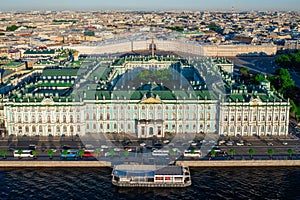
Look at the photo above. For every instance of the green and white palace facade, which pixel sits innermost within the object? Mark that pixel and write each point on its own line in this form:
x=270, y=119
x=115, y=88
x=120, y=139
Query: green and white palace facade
x=145, y=96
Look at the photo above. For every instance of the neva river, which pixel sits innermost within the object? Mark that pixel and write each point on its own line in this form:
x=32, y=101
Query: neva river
x=91, y=183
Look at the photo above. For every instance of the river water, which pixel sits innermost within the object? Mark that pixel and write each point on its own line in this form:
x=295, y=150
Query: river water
x=93, y=183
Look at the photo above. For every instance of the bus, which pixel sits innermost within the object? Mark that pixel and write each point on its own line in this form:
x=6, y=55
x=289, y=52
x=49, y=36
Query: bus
x=192, y=154
x=24, y=154
x=160, y=152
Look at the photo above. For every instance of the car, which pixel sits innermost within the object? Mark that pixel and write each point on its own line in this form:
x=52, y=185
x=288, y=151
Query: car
x=116, y=149
x=104, y=146
x=166, y=141
x=240, y=144
x=127, y=149
x=229, y=143
x=222, y=142
x=32, y=147
x=212, y=142
x=171, y=144
x=89, y=146
x=65, y=147
x=284, y=143
x=88, y=153
x=249, y=144
x=194, y=144
x=158, y=146
x=143, y=144
x=270, y=144
x=217, y=149
x=70, y=154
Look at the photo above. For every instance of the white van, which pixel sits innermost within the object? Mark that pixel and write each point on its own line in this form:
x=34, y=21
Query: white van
x=24, y=154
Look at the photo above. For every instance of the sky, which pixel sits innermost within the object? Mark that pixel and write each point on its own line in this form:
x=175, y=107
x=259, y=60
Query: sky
x=221, y=5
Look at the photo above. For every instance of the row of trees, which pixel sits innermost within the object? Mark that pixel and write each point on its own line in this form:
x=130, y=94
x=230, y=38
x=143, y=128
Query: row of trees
x=251, y=152
x=289, y=60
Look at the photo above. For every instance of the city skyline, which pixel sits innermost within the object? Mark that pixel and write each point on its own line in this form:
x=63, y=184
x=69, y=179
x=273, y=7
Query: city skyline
x=221, y=5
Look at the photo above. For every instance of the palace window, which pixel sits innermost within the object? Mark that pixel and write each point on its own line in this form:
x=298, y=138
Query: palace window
x=225, y=118
x=254, y=118
x=232, y=118
x=208, y=116
x=239, y=118
x=65, y=129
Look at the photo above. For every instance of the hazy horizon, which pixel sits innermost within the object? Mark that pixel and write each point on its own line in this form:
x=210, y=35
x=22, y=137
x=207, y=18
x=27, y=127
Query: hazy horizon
x=154, y=5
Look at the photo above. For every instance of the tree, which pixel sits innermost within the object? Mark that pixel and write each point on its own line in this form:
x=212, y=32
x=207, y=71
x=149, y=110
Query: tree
x=192, y=151
x=282, y=80
x=283, y=60
x=257, y=79
x=34, y=153
x=50, y=153
x=271, y=153
x=291, y=152
x=4, y=153
x=64, y=153
x=244, y=71
x=232, y=152
x=251, y=152
x=97, y=152
x=80, y=153
x=111, y=153
x=172, y=152
x=213, y=153
x=20, y=153
x=126, y=153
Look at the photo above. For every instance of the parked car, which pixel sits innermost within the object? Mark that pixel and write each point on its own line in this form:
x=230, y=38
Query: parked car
x=32, y=147
x=284, y=143
x=240, y=143
x=104, y=146
x=222, y=142
x=270, y=144
x=229, y=143
x=71, y=154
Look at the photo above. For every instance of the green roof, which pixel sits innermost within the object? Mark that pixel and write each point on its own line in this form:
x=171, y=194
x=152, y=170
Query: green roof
x=13, y=64
x=60, y=72
x=28, y=51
